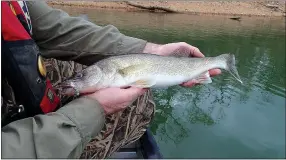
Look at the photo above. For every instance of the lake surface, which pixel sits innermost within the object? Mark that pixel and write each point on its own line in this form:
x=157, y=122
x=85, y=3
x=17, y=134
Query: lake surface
x=224, y=119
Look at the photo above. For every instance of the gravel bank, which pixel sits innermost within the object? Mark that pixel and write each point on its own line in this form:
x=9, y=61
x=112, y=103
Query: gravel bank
x=235, y=8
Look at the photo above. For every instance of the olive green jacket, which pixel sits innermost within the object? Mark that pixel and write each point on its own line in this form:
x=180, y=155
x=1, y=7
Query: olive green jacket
x=64, y=133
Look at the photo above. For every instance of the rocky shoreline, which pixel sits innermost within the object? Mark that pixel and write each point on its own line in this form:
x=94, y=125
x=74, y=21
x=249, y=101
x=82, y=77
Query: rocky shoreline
x=234, y=8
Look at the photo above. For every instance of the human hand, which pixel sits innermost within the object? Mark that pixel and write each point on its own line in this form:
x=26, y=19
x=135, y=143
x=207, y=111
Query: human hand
x=180, y=48
x=116, y=99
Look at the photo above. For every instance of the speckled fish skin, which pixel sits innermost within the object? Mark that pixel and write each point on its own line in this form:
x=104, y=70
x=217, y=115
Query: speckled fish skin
x=148, y=70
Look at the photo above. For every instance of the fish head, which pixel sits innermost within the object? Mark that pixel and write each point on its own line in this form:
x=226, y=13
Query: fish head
x=82, y=81
x=74, y=84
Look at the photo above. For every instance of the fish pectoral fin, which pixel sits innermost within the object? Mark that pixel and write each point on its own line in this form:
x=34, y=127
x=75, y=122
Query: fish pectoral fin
x=131, y=69
x=143, y=83
x=204, y=78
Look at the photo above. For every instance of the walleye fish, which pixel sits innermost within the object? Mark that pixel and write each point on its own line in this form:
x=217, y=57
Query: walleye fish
x=146, y=71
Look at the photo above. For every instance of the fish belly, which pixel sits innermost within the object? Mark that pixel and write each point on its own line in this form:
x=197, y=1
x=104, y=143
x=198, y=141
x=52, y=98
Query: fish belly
x=156, y=81
x=166, y=80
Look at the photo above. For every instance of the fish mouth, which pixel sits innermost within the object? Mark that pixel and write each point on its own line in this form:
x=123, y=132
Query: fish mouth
x=67, y=89
x=66, y=84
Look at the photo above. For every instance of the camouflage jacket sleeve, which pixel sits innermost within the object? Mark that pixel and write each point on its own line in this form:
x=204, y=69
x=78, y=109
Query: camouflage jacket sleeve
x=72, y=38
x=61, y=134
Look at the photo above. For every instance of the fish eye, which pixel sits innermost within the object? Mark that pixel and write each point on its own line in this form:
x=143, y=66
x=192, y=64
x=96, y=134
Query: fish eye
x=78, y=75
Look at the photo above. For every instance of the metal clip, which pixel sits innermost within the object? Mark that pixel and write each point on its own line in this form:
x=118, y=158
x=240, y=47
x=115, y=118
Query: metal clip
x=21, y=108
x=76, y=93
x=13, y=111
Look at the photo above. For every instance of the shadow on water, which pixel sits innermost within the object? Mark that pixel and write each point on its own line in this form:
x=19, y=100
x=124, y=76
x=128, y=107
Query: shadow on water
x=224, y=119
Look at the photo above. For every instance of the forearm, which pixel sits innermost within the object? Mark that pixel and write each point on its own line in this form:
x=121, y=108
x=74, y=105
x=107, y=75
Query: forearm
x=61, y=134
x=152, y=48
x=70, y=38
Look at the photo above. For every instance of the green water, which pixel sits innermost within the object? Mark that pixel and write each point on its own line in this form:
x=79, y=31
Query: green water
x=224, y=119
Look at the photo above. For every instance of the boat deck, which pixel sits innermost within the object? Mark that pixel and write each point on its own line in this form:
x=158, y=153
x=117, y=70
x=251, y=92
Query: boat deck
x=131, y=151
x=144, y=148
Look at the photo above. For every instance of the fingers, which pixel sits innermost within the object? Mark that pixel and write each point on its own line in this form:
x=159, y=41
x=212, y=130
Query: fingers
x=191, y=83
x=188, y=84
x=195, y=52
x=133, y=91
x=214, y=72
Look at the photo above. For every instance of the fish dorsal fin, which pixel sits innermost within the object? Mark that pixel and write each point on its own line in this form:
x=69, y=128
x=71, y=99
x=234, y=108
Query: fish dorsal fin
x=131, y=69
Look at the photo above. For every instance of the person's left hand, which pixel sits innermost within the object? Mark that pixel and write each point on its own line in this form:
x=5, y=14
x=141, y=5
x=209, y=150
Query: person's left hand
x=180, y=48
x=113, y=100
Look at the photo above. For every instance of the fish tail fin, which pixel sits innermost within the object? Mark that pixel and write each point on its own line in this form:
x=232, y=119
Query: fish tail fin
x=230, y=65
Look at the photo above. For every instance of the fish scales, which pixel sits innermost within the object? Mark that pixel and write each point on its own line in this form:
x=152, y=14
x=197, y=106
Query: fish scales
x=148, y=70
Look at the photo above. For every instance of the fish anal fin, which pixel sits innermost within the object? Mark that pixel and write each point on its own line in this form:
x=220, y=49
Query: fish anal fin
x=203, y=78
x=143, y=83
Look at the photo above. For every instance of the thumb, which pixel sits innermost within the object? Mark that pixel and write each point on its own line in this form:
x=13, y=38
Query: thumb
x=195, y=52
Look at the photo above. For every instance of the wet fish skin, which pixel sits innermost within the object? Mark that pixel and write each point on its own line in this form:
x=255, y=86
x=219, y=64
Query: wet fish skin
x=148, y=70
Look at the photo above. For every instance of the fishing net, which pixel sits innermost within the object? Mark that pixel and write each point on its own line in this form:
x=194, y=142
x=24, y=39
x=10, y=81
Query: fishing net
x=120, y=129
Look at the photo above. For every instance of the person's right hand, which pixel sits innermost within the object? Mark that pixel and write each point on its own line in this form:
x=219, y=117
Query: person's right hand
x=116, y=99
x=179, y=48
